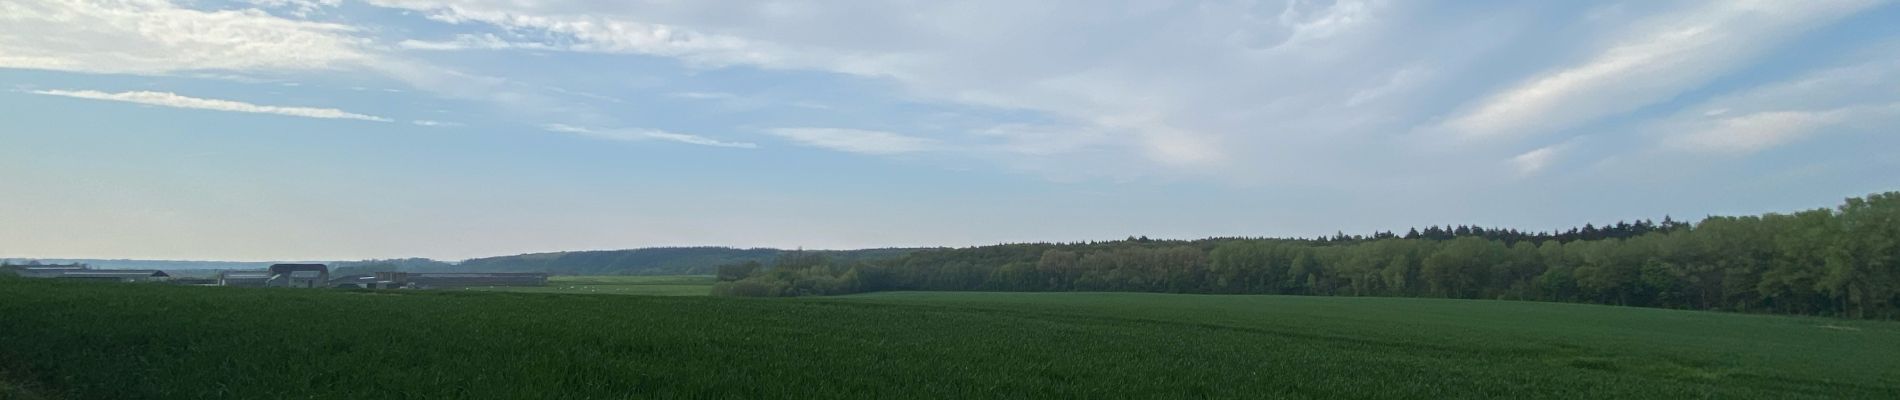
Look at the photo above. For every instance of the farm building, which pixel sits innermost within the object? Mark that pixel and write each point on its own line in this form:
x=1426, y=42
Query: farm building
x=195, y=281
x=115, y=275
x=49, y=271
x=256, y=278
x=363, y=282
x=299, y=275
x=463, y=279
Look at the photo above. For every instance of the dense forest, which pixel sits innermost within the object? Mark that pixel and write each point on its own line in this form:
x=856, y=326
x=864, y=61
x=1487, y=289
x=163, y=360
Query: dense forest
x=1842, y=261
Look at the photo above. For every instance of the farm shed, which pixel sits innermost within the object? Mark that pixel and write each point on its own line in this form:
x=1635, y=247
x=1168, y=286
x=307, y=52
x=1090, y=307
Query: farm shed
x=47, y=271
x=299, y=275
x=255, y=278
x=362, y=282
x=116, y=275
x=195, y=281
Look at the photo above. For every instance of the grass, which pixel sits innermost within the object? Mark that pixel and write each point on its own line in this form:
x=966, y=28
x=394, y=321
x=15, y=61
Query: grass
x=87, y=340
x=11, y=391
x=642, y=285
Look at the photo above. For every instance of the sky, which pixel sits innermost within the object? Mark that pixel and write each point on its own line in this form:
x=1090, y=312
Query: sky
x=350, y=129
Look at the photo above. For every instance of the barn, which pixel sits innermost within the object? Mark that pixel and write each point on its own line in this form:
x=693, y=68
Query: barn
x=299, y=275
x=252, y=278
x=48, y=271
x=116, y=275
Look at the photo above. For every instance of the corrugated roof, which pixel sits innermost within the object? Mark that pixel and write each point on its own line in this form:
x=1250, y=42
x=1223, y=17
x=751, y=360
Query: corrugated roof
x=245, y=274
x=283, y=268
x=117, y=273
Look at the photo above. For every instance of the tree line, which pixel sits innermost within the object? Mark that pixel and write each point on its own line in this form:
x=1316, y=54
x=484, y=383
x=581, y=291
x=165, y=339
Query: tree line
x=1842, y=261
x=647, y=261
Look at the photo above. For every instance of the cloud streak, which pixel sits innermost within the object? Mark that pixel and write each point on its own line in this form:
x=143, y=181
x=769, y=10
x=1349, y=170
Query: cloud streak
x=1672, y=54
x=157, y=37
x=1842, y=100
x=434, y=123
x=856, y=140
x=1534, y=161
x=173, y=100
x=646, y=134
x=1754, y=132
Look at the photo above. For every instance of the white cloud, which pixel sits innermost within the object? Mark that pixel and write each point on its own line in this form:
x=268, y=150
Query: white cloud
x=1535, y=161
x=165, y=99
x=580, y=31
x=1308, y=25
x=646, y=134
x=1260, y=91
x=301, y=8
x=856, y=140
x=168, y=37
x=1846, y=99
x=157, y=36
x=972, y=54
x=487, y=41
x=704, y=95
x=433, y=123
x=1749, y=133
x=1668, y=55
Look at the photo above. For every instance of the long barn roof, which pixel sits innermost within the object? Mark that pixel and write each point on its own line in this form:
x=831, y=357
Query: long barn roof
x=117, y=273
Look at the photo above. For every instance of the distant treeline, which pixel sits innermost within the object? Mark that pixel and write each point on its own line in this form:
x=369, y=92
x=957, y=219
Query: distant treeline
x=8, y=268
x=167, y=265
x=1839, y=262
x=647, y=261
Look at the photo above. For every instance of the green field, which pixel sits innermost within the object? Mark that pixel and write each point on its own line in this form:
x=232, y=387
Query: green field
x=656, y=285
x=84, y=340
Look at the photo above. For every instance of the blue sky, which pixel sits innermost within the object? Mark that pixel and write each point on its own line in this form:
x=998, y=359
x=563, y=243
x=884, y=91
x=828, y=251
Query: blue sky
x=342, y=129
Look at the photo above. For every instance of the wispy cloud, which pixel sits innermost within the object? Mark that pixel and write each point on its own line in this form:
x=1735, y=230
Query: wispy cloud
x=474, y=42
x=856, y=140
x=704, y=95
x=157, y=36
x=586, y=33
x=1308, y=24
x=645, y=134
x=1849, y=99
x=167, y=99
x=1749, y=133
x=1673, y=53
x=433, y=123
x=1535, y=161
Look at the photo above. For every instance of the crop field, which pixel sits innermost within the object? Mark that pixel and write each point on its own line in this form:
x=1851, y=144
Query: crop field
x=651, y=285
x=90, y=340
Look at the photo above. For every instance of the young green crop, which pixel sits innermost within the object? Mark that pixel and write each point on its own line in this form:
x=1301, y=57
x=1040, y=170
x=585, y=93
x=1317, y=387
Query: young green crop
x=85, y=340
x=643, y=285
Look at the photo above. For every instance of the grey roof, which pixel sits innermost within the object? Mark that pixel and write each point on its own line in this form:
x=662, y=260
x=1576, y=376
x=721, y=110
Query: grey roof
x=116, y=273
x=283, y=268
x=245, y=274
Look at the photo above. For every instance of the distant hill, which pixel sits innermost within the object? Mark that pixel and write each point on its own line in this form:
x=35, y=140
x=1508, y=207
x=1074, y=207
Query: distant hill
x=650, y=261
x=167, y=265
x=646, y=261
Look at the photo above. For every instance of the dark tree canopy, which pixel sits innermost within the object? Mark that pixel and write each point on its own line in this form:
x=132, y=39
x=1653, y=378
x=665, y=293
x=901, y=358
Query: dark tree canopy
x=1843, y=261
